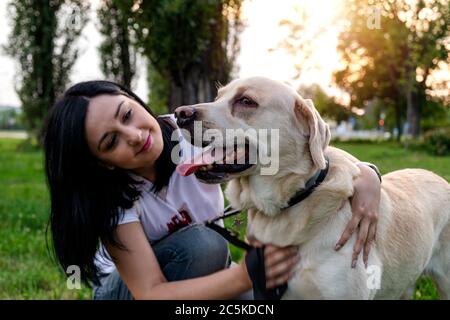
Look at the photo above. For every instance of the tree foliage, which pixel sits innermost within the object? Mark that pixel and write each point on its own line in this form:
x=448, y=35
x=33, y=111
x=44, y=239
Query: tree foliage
x=325, y=104
x=303, y=40
x=190, y=45
x=42, y=41
x=392, y=59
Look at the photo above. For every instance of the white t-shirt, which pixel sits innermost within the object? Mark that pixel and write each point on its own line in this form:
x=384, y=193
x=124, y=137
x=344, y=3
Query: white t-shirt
x=184, y=201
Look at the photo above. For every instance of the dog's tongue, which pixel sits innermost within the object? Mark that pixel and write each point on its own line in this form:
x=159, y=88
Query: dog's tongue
x=191, y=165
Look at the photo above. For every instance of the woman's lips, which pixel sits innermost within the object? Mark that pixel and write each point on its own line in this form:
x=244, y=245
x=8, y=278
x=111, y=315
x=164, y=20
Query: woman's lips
x=147, y=144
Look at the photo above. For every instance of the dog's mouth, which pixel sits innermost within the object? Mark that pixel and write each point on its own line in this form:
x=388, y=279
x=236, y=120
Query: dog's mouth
x=216, y=164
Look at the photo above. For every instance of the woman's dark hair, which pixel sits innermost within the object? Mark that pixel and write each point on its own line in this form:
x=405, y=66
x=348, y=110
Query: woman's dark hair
x=87, y=199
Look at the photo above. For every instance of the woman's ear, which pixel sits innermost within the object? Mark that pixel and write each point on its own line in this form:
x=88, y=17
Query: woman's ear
x=319, y=132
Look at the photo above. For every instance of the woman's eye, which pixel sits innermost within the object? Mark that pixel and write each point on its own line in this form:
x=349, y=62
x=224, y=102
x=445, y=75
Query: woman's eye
x=112, y=142
x=127, y=115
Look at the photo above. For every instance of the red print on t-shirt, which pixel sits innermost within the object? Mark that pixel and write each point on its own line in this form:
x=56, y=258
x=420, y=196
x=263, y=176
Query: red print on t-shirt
x=177, y=222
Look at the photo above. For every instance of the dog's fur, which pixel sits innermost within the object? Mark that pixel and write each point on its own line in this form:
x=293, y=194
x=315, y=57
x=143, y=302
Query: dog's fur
x=413, y=233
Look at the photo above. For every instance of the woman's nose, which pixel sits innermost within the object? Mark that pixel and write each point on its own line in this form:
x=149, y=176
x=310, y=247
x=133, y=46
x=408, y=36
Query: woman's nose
x=133, y=136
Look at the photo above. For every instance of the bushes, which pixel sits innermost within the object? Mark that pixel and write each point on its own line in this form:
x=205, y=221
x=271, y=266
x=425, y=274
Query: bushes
x=438, y=141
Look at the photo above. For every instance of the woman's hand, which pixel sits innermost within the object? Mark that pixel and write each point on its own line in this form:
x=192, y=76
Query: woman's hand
x=365, y=205
x=279, y=263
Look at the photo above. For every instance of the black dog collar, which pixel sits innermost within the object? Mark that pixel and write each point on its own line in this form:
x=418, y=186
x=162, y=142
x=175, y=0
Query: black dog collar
x=310, y=186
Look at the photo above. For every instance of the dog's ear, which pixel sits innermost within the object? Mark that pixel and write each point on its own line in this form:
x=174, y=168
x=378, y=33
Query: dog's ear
x=319, y=132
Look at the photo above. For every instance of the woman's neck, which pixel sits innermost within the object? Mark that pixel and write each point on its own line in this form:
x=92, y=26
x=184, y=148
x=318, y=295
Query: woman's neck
x=147, y=173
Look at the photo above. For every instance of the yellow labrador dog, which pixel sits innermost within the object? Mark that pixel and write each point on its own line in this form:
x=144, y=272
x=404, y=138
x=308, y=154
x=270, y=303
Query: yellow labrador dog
x=413, y=234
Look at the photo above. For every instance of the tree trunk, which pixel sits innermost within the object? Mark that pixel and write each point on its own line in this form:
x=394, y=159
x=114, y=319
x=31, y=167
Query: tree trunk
x=124, y=44
x=413, y=112
x=196, y=87
x=412, y=104
x=398, y=120
x=415, y=115
x=175, y=96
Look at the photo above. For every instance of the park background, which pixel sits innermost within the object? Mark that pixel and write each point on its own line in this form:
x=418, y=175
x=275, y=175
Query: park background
x=378, y=72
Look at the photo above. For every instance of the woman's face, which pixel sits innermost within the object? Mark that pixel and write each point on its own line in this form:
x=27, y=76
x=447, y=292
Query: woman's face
x=121, y=133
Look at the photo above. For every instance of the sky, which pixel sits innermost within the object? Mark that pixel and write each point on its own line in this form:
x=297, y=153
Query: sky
x=260, y=53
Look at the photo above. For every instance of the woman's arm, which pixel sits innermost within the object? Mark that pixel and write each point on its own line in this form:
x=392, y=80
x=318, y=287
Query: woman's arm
x=140, y=271
x=365, y=205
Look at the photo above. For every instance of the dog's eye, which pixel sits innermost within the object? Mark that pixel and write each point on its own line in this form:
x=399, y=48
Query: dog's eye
x=246, y=101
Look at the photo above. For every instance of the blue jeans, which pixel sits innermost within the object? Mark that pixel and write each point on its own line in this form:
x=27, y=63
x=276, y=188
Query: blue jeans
x=191, y=252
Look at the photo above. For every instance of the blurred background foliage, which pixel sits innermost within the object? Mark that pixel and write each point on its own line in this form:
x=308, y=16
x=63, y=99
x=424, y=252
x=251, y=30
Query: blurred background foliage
x=390, y=52
x=190, y=46
x=42, y=41
x=386, y=81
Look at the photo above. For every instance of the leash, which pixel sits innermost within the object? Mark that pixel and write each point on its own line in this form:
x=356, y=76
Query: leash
x=254, y=259
x=230, y=235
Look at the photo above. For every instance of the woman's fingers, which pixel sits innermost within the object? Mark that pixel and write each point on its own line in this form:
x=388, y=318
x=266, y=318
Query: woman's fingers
x=369, y=241
x=270, y=284
x=365, y=205
x=274, y=255
x=279, y=264
x=283, y=275
x=366, y=236
x=283, y=265
x=360, y=241
x=349, y=229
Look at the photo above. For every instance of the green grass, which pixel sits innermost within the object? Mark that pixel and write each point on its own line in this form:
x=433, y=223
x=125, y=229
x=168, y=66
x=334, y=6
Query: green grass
x=26, y=268
x=390, y=156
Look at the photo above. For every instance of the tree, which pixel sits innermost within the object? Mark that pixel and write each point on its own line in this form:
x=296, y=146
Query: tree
x=325, y=104
x=117, y=51
x=372, y=63
x=393, y=61
x=302, y=41
x=42, y=41
x=190, y=45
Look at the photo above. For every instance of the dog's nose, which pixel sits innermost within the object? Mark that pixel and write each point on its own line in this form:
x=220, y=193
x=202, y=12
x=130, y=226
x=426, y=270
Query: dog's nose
x=185, y=115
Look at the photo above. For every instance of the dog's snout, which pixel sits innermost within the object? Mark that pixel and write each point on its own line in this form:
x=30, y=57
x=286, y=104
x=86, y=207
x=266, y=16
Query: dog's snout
x=185, y=115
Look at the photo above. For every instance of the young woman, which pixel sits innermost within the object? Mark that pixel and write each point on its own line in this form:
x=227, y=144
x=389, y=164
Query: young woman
x=115, y=196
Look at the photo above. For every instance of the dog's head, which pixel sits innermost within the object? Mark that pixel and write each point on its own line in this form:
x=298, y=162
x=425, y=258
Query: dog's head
x=253, y=118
